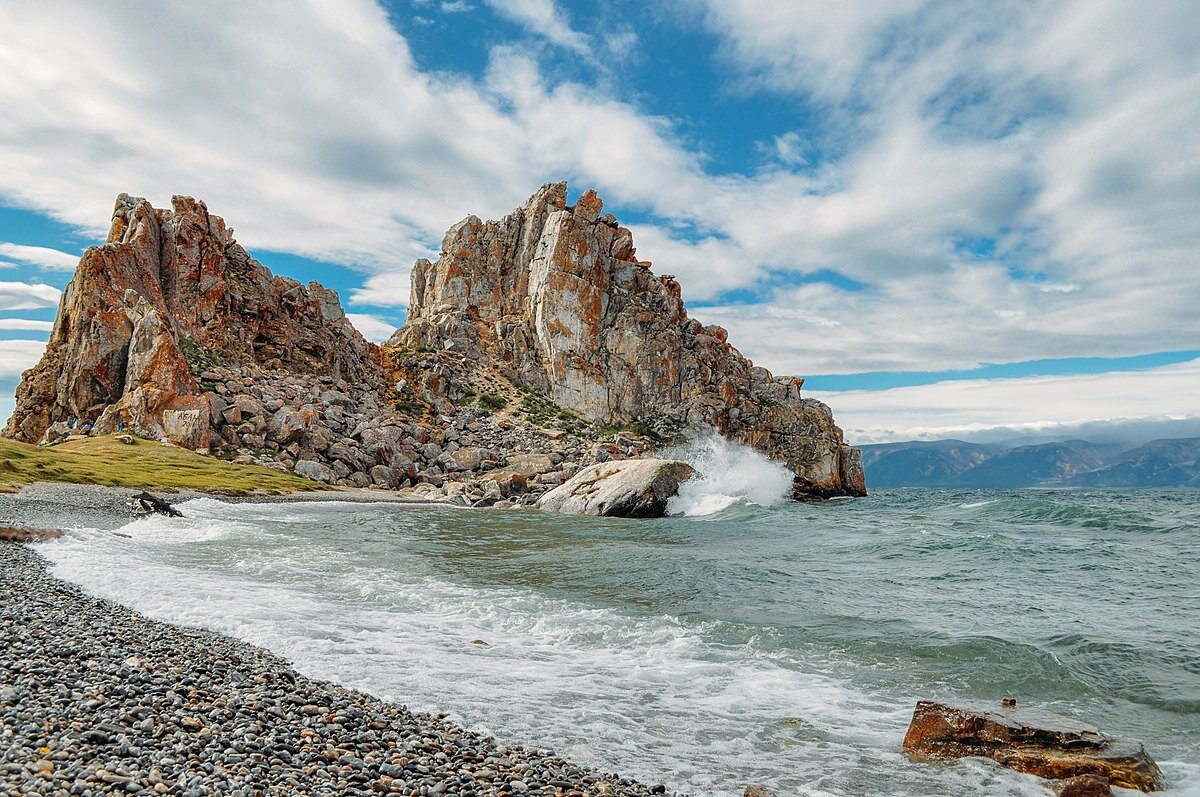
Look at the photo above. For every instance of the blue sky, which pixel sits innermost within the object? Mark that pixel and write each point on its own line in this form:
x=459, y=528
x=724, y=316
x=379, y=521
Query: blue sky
x=920, y=206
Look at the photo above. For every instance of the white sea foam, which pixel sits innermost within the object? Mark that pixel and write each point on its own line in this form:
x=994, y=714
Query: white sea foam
x=650, y=696
x=727, y=473
x=655, y=696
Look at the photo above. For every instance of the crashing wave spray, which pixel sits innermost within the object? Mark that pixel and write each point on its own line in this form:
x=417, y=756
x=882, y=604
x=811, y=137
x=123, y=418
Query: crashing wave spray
x=726, y=473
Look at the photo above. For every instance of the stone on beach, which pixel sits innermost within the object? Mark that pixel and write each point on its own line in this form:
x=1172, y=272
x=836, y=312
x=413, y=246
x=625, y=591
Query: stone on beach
x=95, y=699
x=1081, y=786
x=637, y=488
x=1030, y=741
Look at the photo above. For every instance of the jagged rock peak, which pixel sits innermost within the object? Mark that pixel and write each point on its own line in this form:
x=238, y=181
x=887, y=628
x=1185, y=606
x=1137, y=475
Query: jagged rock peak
x=555, y=298
x=168, y=293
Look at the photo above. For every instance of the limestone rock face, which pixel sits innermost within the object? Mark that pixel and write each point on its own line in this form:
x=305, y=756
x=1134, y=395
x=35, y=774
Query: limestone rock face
x=554, y=296
x=169, y=293
x=1033, y=742
x=634, y=488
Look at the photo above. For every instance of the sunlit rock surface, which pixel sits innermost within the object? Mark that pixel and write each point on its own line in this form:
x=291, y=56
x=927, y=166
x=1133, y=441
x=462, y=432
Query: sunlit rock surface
x=637, y=488
x=1030, y=741
x=169, y=292
x=556, y=298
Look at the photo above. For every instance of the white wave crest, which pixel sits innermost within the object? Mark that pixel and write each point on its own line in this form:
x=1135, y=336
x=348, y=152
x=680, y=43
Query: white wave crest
x=727, y=473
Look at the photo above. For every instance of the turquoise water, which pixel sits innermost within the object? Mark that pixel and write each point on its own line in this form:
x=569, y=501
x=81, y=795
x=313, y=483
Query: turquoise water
x=782, y=645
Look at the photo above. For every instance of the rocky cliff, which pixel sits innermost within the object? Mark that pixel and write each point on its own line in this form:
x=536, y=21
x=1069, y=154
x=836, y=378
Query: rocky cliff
x=529, y=344
x=554, y=298
x=169, y=292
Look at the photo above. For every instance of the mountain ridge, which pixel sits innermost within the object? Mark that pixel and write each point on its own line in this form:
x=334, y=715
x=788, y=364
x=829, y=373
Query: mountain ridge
x=1167, y=462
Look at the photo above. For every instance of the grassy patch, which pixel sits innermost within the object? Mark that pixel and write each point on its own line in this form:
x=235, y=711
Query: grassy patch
x=146, y=465
x=540, y=411
x=199, y=359
x=491, y=402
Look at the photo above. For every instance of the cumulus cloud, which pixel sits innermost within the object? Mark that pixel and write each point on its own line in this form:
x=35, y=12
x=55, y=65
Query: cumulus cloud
x=1061, y=134
x=1006, y=183
x=373, y=328
x=996, y=408
x=543, y=18
x=19, y=355
x=26, y=324
x=27, y=296
x=41, y=256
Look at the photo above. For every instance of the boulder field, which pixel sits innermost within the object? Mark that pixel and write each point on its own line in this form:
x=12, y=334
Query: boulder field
x=535, y=346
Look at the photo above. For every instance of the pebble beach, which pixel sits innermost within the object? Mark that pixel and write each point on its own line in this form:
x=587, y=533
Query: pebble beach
x=96, y=699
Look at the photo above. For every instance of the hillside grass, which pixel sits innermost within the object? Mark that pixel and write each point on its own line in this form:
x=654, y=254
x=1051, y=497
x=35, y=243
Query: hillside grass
x=145, y=465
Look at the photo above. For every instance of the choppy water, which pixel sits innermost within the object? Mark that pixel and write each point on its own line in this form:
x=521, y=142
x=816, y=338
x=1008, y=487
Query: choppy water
x=783, y=645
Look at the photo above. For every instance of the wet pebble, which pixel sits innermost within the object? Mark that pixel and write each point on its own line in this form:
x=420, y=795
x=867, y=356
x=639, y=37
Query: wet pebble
x=95, y=699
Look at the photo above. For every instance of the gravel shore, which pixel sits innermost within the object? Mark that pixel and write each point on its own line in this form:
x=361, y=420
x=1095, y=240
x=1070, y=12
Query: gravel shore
x=96, y=699
x=60, y=505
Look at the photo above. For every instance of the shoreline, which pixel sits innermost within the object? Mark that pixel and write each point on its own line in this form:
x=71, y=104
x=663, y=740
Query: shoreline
x=97, y=699
x=54, y=506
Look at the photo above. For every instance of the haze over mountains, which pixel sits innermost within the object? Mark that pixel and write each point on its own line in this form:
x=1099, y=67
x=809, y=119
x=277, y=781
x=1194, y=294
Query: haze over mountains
x=1070, y=463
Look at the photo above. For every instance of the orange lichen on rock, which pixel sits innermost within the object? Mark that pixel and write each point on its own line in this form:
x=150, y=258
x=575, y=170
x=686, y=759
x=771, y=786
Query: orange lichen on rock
x=1030, y=741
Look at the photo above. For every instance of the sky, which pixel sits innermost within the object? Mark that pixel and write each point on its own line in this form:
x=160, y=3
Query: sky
x=950, y=218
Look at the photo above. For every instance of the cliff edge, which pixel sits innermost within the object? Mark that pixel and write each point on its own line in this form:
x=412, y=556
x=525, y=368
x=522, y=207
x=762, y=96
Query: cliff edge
x=535, y=346
x=169, y=292
x=554, y=297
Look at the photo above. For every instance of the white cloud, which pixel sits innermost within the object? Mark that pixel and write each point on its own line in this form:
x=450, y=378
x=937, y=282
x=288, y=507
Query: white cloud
x=19, y=355
x=373, y=328
x=1063, y=130
x=789, y=149
x=40, y=256
x=26, y=324
x=386, y=289
x=543, y=18
x=1029, y=404
x=26, y=296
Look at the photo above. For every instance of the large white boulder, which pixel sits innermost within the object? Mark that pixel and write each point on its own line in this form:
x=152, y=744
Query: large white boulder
x=629, y=488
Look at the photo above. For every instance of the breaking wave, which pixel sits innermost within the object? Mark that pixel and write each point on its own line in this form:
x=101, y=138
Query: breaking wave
x=727, y=473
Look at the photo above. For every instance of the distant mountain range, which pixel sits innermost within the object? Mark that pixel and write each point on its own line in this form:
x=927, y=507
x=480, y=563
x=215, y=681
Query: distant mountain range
x=1072, y=463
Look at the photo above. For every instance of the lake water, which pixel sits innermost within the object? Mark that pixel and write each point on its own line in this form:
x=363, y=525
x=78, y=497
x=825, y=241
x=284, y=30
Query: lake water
x=783, y=644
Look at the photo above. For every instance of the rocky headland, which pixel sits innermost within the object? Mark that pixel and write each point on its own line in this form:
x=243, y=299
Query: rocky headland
x=535, y=346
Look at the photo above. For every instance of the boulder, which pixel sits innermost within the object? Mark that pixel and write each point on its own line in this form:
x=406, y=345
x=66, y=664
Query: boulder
x=636, y=488
x=468, y=458
x=530, y=465
x=1029, y=741
x=383, y=476
x=286, y=426
x=310, y=469
x=1082, y=786
x=508, y=482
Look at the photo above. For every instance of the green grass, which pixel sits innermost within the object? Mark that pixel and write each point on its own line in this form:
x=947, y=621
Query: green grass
x=146, y=465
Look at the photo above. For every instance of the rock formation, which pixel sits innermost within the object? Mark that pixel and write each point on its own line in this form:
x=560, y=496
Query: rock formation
x=1030, y=741
x=169, y=292
x=636, y=488
x=554, y=297
x=529, y=343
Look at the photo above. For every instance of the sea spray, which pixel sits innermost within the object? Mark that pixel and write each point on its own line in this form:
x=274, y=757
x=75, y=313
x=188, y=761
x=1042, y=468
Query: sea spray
x=726, y=473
